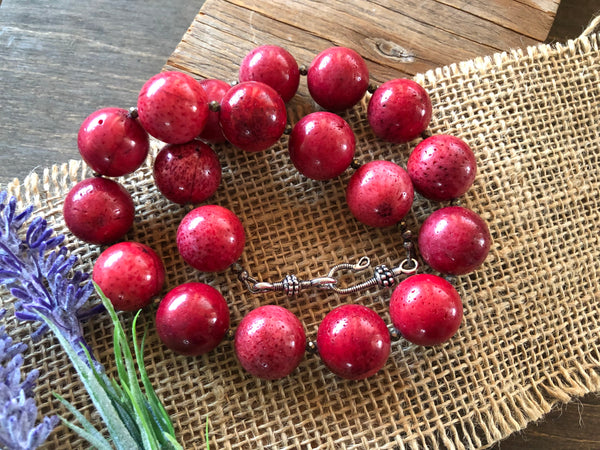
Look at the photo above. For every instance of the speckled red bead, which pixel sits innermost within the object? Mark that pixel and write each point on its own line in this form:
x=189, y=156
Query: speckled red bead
x=192, y=319
x=210, y=238
x=270, y=342
x=112, y=142
x=252, y=116
x=187, y=173
x=321, y=145
x=442, y=167
x=130, y=274
x=173, y=107
x=426, y=309
x=399, y=110
x=274, y=66
x=454, y=240
x=98, y=210
x=337, y=78
x=380, y=193
x=353, y=341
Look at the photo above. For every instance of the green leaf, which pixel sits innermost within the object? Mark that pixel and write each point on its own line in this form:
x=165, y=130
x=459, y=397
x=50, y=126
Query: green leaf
x=88, y=432
x=128, y=378
x=150, y=414
x=206, y=435
x=134, y=418
x=155, y=405
x=118, y=431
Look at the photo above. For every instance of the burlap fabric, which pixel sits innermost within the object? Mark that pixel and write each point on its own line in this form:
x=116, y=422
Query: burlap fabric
x=529, y=337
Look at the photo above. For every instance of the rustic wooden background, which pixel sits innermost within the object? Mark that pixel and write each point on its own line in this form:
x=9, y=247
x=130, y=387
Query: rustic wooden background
x=62, y=59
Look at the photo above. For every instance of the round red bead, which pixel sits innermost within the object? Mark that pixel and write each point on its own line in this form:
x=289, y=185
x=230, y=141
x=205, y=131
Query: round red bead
x=210, y=238
x=442, y=167
x=173, y=107
x=192, y=319
x=274, y=66
x=379, y=193
x=426, y=309
x=399, y=110
x=321, y=145
x=252, y=116
x=270, y=342
x=130, y=274
x=112, y=143
x=98, y=211
x=353, y=341
x=454, y=240
x=187, y=173
x=337, y=78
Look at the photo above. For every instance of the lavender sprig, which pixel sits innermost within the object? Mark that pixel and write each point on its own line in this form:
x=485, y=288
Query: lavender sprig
x=18, y=412
x=38, y=272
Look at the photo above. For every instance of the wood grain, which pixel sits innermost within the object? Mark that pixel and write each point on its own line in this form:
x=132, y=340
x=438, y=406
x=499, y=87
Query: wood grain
x=61, y=60
x=389, y=34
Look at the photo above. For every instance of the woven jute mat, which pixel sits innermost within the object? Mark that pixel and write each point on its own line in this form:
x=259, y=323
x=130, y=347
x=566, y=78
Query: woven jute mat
x=530, y=334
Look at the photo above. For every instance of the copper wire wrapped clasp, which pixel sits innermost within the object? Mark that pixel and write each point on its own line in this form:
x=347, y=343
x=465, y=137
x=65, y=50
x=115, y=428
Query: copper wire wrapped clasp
x=382, y=275
x=291, y=285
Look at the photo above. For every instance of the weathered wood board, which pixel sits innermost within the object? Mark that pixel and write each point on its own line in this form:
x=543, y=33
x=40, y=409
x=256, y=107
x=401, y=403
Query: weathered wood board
x=396, y=38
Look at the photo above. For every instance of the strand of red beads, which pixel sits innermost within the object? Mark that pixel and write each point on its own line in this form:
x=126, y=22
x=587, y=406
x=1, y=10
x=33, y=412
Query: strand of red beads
x=187, y=115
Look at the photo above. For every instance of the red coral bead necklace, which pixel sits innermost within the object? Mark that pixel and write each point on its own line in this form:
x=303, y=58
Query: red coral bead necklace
x=352, y=340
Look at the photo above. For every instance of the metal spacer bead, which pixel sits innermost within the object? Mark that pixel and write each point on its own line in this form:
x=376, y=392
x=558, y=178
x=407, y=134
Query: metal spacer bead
x=288, y=129
x=372, y=88
x=303, y=70
x=230, y=334
x=455, y=202
x=452, y=279
x=384, y=276
x=355, y=164
x=133, y=112
x=234, y=83
x=311, y=347
x=395, y=335
x=291, y=285
x=214, y=106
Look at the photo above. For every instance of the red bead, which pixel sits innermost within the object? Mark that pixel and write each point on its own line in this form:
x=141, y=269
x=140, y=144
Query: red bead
x=353, y=342
x=321, y=145
x=399, y=110
x=210, y=238
x=192, y=319
x=380, y=193
x=173, y=107
x=442, y=167
x=112, y=143
x=274, y=66
x=215, y=90
x=252, y=116
x=270, y=342
x=98, y=211
x=426, y=309
x=454, y=240
x=337, y=78
x=187, y=173
x=130, y=274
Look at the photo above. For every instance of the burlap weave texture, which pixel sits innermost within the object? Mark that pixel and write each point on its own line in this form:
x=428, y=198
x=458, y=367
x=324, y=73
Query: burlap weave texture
x=529, y=337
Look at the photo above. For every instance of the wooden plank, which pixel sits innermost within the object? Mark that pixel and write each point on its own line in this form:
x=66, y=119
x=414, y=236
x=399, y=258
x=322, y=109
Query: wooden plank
x=396, y=39
x=61, y=60
x=532, y=19
x=545, y=5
